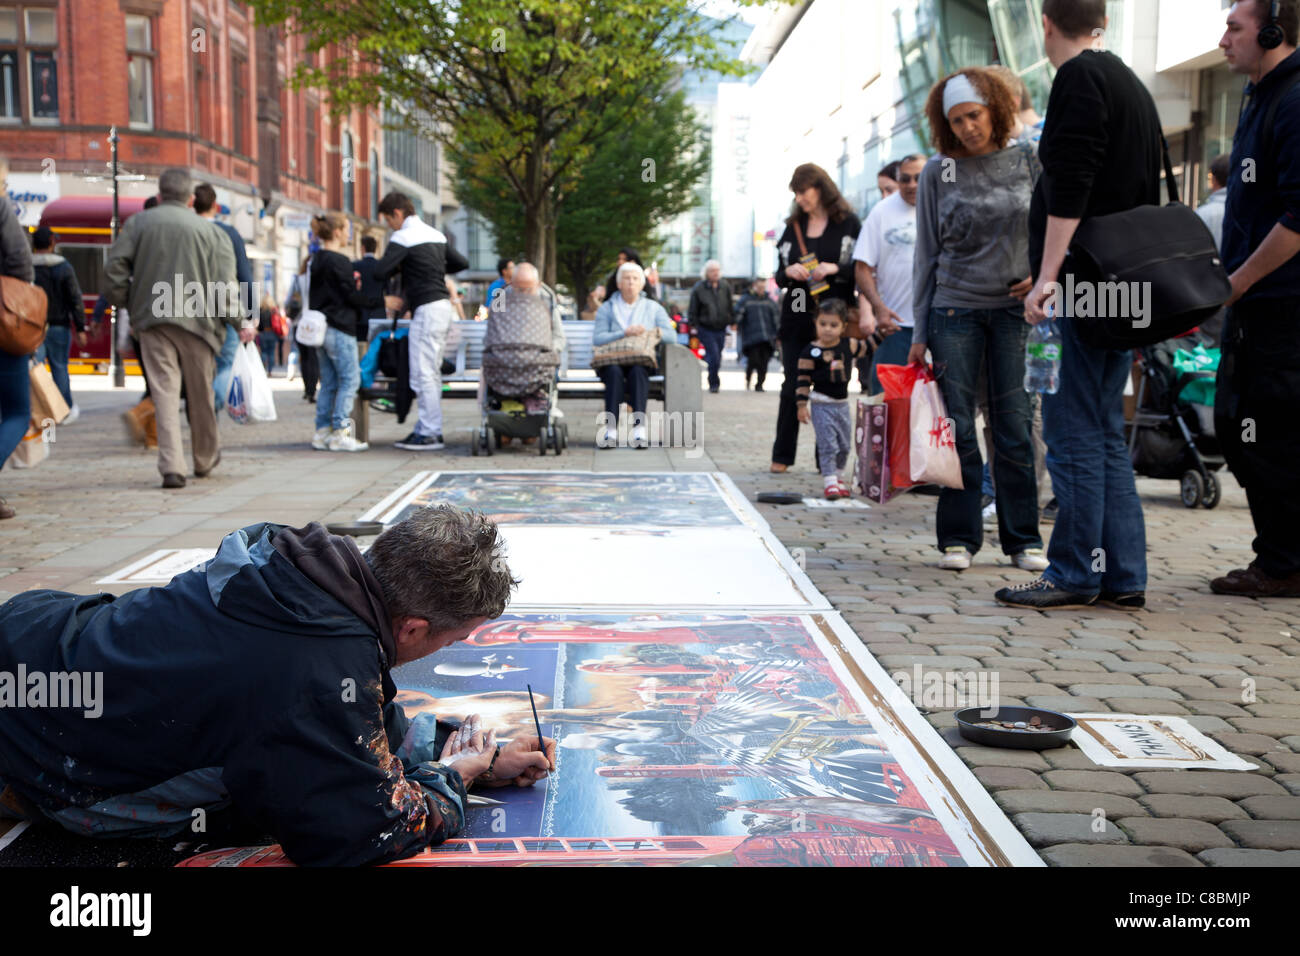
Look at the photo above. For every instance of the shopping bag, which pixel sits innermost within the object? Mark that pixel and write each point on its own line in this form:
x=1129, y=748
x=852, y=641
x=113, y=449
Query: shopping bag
x=31, y=451
x=261, y=403
x=933, y=457
x=241, y=380
x=48, y=406
x=898, y=382
x=872, y=442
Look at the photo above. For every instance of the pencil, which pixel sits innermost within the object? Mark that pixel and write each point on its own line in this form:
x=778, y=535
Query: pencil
x=541, y=741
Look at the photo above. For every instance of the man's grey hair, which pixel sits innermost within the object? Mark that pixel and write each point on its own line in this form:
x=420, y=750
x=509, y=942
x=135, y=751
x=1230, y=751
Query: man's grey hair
x=712, y=263
x=175, y=184
x=627, y=267
x=525, y=271
x=444, y=565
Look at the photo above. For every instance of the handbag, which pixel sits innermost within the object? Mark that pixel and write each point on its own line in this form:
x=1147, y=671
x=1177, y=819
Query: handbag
x=1167, y=250
x=312, y=324
x=810, y=262
x=22, y=316
x=629, y=350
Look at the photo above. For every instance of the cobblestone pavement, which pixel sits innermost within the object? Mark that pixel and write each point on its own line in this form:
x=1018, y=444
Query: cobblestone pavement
x=95, y=506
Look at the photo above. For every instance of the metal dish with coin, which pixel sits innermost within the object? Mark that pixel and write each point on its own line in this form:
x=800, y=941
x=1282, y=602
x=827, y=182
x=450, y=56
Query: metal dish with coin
x=356, y=529
x=780, y=498
x=1019, y=728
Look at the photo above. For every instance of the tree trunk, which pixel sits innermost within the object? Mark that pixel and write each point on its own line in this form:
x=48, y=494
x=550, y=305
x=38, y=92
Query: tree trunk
x=536, y=212
x=552, y=263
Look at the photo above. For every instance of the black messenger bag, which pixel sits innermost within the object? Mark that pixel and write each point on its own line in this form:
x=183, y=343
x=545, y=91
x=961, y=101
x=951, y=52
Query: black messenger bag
x=1167, y=246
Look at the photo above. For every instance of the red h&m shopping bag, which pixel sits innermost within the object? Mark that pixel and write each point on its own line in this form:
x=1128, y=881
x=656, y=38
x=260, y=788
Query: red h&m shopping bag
x=933, y=457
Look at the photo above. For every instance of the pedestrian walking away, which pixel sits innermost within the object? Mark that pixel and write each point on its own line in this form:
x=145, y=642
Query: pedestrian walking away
x=15, y=383
x=64, y=313
x=758, y=321
x=710, y=312
x=205, y=204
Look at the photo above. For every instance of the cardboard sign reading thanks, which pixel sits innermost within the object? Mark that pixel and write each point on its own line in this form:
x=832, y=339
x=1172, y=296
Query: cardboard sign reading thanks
x=1127, y=740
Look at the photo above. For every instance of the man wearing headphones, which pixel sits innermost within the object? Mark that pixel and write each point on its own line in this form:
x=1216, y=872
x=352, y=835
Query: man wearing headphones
x=1258, y=395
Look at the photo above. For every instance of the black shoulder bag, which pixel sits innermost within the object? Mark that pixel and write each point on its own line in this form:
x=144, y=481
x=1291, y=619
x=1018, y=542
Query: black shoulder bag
x=1167, y=249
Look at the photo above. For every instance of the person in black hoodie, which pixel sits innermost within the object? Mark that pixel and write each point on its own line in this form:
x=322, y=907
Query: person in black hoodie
x=372, y=287
x=829, y=230
x=1258, y=394
x=274, y=706
x=64, y=311
x=335, y=290
x=1101, y=154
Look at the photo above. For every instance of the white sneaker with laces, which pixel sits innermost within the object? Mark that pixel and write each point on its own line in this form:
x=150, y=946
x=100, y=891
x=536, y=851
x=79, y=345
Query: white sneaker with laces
x=991, y=515
x=955, y=559
x=608, y=438
x=320, y=440
x=640, y=437
x=341, y=440
x=1031, y=559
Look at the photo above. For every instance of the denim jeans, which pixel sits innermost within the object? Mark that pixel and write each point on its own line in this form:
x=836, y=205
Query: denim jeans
x=713, y=341
x=961, y=340
x=340, y=375
x=58, y=342
x=1099, y=541
x=267, y=343
x=225, y=360
x=15, y=401
x=625, y=383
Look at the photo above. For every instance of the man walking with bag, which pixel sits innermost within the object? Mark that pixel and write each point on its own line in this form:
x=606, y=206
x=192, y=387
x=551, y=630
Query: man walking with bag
x=423, y=257
x=64, y=312
x=1101, y=154
x=1258, y=393
x=161, y=255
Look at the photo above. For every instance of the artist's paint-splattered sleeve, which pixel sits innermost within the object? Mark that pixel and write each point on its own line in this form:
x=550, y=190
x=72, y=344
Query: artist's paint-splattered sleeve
x=326, y=783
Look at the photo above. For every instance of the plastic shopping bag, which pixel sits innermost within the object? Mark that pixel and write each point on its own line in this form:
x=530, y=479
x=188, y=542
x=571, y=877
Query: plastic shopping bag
x=933, y=448
x=261, y=403
x=898, y=381
x=240, y=380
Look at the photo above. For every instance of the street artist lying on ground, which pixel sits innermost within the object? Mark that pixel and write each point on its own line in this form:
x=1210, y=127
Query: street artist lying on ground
x=260, y=683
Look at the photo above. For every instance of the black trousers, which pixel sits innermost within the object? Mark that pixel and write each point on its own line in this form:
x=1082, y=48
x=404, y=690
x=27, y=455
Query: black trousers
x=1257, y=407
x=787, y=416
x=310, y=363
x=630, y=383
x=757, y=358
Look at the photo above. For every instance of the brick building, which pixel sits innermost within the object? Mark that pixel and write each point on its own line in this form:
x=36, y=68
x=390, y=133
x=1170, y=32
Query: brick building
x=190, y=83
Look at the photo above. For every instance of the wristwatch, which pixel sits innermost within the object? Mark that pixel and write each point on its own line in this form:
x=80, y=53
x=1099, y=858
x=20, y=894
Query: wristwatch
x=487, y=774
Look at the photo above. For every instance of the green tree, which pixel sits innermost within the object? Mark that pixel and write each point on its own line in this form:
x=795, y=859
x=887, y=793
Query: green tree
x=533, y=83
x=637, y=178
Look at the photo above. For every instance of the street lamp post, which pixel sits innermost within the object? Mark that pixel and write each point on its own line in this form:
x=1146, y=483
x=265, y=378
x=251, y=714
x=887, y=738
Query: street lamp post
x=115, y=358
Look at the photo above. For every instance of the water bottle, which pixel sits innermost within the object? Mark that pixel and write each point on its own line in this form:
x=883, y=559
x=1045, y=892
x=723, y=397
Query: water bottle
x=1043, y=357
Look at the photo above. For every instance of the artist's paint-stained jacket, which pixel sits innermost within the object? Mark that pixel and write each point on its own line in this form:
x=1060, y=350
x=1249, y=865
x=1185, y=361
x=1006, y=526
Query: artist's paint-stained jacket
x=260, y=679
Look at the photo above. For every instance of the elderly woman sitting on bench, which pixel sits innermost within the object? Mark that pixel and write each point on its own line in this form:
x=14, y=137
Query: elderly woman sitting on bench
x=628, y=313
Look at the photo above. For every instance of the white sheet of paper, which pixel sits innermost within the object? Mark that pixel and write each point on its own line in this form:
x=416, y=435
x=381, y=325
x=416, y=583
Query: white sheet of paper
x=1127, y=740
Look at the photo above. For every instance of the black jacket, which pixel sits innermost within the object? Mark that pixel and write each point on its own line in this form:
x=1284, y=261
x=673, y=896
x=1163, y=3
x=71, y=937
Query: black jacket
x=711, y=309
x=423, y=257
x=1100, y=149
x=334, y=291
x=276, y=690
x=372, y=287
x=835, y=244
x=1273, y=194
x=64, y=307
x=15, y=248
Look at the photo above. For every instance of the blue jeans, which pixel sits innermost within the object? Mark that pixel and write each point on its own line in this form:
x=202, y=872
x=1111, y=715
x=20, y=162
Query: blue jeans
x=1099, y=541
x=630, y=383
x=267, y=342
x=340, y=375
x=15, y=402
x=58, y=343
x=961, y=340
x=713, y=340
x=225, y=360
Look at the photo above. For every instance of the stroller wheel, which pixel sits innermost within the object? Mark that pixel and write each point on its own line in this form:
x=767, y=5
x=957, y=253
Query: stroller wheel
x=553, y=435
x=490, y=439
x=474, y=444
x=541, y=442
x=1192, y=489
x=1213, y=492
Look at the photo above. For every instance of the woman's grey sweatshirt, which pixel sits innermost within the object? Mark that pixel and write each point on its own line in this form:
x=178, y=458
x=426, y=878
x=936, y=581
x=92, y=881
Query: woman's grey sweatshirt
x=972, y=231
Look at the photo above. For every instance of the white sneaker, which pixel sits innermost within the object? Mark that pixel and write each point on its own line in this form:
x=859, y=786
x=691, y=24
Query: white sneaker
x=73, y=414
x=557, y=412
x=1031, y=559
x=640, y=437
x=955, y=559
x=320, y=440
x=341, y=440
x=608, y=439
x=991, y=515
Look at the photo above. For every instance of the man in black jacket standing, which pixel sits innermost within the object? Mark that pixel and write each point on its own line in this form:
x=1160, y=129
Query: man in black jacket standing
x=1258, y=394
x=711, y=312
x=424, y=258
x=370, y=286
x=64, y=311
x=1101, y=154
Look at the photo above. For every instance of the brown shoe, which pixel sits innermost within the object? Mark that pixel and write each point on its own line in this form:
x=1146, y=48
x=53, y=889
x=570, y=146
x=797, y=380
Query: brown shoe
x=5, y=510
x=173, y=481
x=208, y=470
x=778, y=468
x=1252, y=582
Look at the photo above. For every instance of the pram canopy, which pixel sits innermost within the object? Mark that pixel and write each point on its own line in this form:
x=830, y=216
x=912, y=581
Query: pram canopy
x=519, y=358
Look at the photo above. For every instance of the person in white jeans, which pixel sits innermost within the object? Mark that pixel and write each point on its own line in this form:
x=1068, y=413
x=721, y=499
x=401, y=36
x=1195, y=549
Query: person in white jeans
x=428, y=336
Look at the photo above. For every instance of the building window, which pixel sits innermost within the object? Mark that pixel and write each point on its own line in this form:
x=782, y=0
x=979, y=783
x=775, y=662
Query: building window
x=349, y=173
x=374, y=183
x=239, y=102
x=29, y=73
x=140, y=56
x=313, y=131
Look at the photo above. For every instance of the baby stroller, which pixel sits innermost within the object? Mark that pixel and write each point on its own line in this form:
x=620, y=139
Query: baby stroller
x=518, y=392
x=1171, y=435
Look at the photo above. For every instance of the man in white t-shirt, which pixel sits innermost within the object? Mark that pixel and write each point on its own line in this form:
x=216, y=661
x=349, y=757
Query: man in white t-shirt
x=883, y=269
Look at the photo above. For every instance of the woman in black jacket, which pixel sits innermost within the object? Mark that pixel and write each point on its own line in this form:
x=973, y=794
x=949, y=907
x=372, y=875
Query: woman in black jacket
x=829, y=229
x=336, y=291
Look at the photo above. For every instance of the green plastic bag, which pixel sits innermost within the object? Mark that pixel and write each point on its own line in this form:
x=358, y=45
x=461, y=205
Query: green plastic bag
x=1199, y=391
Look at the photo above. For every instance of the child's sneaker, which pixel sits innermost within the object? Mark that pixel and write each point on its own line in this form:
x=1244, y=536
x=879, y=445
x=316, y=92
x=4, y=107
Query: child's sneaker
x=833, y=492
x=845, y=490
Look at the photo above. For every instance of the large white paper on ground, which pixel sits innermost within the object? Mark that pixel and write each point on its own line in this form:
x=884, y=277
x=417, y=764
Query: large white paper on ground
x=1127, y=740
